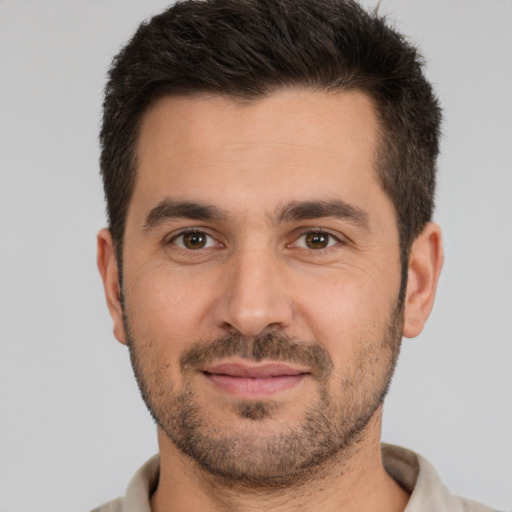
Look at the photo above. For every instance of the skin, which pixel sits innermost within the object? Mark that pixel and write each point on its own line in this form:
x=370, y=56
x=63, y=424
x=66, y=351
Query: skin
x=258, y=275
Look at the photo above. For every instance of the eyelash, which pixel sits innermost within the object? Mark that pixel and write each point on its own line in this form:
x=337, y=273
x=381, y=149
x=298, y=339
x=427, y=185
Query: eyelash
x=333, y=240
x=173, y=240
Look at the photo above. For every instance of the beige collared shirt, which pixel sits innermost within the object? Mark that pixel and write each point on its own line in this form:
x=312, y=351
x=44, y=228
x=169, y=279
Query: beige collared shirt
x=411, y=471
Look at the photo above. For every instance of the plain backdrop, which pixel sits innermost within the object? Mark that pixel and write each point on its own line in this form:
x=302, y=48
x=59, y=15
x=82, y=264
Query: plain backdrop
x=72, y=426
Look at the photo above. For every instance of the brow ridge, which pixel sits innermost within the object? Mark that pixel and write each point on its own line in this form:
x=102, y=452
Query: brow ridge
x=169, y=209
x=310, y=210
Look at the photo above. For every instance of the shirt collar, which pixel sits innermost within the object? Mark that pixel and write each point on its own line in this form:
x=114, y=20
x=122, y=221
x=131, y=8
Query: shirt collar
x=411, y=471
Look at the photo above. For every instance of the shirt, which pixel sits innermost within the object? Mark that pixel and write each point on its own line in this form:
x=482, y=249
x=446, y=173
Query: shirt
x=410, y=470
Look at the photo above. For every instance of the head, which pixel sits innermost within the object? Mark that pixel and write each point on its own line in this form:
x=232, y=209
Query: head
x=248, y=49
x=269, y=173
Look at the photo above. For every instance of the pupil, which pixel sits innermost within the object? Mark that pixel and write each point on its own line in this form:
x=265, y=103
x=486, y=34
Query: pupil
x=317, y=240
x=194, y=240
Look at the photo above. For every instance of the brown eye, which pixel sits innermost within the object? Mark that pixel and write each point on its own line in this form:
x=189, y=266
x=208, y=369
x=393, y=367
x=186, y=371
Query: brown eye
x=317, y=240
x=193, y=240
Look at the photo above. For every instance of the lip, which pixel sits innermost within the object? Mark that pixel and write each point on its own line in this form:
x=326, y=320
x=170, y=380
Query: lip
x=254, y=381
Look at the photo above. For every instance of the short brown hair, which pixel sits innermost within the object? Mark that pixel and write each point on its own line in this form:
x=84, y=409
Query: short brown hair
x=249, y=48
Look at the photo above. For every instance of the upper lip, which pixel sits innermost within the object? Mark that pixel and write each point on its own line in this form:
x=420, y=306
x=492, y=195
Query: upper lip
x=265, y=370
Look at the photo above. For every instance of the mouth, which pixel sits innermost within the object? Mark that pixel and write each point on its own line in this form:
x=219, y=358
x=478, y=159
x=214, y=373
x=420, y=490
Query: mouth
x=254, y=381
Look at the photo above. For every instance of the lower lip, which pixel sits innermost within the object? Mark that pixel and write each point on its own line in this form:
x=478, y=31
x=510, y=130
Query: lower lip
x=245, y=387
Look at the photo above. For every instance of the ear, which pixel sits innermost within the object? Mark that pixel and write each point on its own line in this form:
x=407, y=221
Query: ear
x=425, y=263
x=107, y=265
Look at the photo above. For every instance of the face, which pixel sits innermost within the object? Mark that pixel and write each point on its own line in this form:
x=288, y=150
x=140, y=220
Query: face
x=260, y=279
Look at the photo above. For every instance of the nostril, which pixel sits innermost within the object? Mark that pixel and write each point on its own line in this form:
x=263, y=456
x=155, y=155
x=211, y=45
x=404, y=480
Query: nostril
x=228, y=328
x=251, y=301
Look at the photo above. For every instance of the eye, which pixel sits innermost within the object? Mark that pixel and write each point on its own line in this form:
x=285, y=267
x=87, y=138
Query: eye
x=194, y=240
x=316, y=240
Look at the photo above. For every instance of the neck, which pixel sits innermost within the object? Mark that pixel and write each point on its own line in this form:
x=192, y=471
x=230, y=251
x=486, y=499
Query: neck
x=356, y=480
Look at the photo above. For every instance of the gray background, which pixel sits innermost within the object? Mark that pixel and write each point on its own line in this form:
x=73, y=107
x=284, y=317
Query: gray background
x=72, y=426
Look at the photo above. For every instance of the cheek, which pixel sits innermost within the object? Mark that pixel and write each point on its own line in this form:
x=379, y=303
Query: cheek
x=345, y=313
x=165, y=308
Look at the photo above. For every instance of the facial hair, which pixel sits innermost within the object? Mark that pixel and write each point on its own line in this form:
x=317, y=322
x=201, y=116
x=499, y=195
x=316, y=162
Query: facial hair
x=259, y=457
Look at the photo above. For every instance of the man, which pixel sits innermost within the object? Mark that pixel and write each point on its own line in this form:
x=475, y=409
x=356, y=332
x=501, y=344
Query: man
x=269, y=169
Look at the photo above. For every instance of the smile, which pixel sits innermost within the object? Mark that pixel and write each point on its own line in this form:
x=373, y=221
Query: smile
x=254, y=382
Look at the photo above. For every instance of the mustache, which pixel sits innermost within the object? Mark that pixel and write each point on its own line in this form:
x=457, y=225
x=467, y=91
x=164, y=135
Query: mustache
x=274, y=346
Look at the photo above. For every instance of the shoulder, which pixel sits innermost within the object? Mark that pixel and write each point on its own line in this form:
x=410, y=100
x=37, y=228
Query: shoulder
x=112, y=506
x=417, y=476
x=473, y=506
x=138, y=492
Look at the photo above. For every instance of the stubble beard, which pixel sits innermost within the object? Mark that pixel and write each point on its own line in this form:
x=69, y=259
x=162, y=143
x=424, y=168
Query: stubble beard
x=253, y=456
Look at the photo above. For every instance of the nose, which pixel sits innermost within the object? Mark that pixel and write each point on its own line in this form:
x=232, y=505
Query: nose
x=254, y=296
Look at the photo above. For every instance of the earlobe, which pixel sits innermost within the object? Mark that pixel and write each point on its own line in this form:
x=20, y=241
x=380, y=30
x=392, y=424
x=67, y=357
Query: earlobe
x=425, y=264
x=107, y=265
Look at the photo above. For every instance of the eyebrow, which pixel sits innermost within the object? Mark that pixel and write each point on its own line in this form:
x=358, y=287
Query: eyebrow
x=169, y=209
x=310, y=210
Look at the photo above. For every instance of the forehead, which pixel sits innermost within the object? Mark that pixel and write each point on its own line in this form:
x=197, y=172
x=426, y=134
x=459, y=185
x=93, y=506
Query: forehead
x=288, y=116
x=288, y=146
